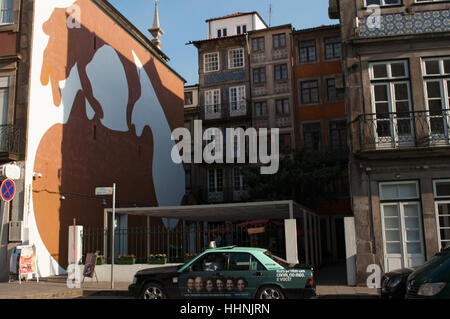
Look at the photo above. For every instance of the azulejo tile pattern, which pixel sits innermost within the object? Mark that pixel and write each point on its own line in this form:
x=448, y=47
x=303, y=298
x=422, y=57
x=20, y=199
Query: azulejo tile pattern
x=404, y=24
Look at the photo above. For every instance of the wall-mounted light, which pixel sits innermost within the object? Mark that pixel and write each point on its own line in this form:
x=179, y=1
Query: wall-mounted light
x=38, y=175
x=63, y=197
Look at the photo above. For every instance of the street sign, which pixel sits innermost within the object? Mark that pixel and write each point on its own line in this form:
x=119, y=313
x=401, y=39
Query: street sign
x=7, y=190
x=10, y=171
x=100, y=191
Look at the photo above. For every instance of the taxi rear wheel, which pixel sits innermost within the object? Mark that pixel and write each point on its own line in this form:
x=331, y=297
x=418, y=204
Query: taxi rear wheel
x=270, y=292
x=153, y=291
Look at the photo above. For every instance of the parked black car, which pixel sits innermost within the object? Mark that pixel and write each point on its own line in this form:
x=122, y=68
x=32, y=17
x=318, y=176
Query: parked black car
x=393, y=284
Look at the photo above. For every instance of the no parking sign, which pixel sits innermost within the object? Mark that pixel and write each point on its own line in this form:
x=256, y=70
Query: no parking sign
x=7, y=190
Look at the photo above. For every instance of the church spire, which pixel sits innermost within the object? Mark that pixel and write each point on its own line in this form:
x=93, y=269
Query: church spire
x=156, y=30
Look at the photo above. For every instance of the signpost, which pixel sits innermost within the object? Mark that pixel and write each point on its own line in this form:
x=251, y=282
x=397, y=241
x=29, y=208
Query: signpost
x=102, y=191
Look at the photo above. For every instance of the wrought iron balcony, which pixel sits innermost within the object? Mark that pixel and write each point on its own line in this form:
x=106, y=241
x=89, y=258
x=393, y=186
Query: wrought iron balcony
x=379, y=131
x=10, y=139
x=225, y=111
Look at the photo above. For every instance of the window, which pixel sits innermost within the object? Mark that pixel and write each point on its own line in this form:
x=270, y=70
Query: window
x=442, y=207
x=239, y=261
x=285, y=142
x=188, y=98
x=260, y=109
x=259, y=75
x=279, y=40
x=338, y=135
x=383, y=3
x=238, y=178
x=437, y=95
x=4, y=84
x=237, y=98
x=332, y=94
x=212, y=101
x=215, y=180
x=6, y=12
x=309, y=92
x=241, y=29
x=391, y=103
x=401, y=218
x=332, y=48
x=219, y=260
x=211, y=62
x=224, y=32
x=280, y=72
x=312, y=137
x=219, y=33
x=282, y=107
x=307, y=51
x=258, y=44
x=236, y=58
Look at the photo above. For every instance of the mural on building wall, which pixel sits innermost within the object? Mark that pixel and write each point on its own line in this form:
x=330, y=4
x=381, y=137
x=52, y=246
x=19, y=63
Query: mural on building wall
x=102, y=109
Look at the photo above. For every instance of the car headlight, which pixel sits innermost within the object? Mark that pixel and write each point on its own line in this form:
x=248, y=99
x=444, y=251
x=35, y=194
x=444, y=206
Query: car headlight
x=394, y=283
x=134, y=279
x=431, y=289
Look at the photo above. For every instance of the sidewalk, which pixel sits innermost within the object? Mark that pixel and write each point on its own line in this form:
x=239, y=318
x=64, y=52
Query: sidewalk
x=57, y=289
x=346, y=292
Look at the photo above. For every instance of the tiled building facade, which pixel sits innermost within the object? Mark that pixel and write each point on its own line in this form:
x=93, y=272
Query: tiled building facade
x=397, y=72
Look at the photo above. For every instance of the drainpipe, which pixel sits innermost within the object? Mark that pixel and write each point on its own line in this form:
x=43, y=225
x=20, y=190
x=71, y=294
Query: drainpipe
x=250, y=99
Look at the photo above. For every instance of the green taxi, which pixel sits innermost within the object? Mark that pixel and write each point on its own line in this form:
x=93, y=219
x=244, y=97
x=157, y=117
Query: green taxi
x=228, y=272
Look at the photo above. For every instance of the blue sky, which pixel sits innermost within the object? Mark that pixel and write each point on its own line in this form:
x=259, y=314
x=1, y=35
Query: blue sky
x=184, y=20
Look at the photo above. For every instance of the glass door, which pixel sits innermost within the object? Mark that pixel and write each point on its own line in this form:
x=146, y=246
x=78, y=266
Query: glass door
x=402, y=235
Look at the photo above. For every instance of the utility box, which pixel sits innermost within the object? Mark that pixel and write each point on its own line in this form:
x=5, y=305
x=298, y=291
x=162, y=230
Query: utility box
x=75, y=249
x=16, y=232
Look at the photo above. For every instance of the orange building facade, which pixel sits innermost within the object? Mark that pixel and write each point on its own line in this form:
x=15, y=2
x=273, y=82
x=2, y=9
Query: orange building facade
x=319, y=97
x=321, y=125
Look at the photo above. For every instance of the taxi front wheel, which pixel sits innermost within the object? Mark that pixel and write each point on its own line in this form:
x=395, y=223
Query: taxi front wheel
x=153, y=291
x=270, y=292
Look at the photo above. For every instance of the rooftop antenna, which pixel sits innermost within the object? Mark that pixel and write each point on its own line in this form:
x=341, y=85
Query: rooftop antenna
x=270, y=13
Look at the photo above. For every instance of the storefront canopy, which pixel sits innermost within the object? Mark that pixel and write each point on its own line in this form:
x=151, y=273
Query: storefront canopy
x=222, y=212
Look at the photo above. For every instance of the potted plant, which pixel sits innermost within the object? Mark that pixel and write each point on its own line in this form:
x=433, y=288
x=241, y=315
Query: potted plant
x=158, y=259
x=126, y=260
x=100, y=260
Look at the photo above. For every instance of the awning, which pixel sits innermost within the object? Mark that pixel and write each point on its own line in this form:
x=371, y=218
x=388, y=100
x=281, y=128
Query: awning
x=238, y=212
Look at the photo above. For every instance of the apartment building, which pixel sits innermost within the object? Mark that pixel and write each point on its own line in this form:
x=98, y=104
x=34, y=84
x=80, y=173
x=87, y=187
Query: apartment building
x=225, y=97
x=321, y=121
x=245, y=80
x=397, y=77
x=272, y=82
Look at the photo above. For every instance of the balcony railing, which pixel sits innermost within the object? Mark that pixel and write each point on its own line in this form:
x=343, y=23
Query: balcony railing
x=404, y=129
x=225, y=110
x=10, y=139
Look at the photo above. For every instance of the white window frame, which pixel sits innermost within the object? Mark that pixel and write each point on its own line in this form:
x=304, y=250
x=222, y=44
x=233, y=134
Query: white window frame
x=237, y=104
x=443, y=199
x=4, y=86
x=401, y=202
x=390, y=81
x=443, y=79
x=8, y=10
x=399, y=183
x=239, y=178
x=232, y=60
x=383, y=3
x=216, y=184
x=206, y=63
x=212, y=106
